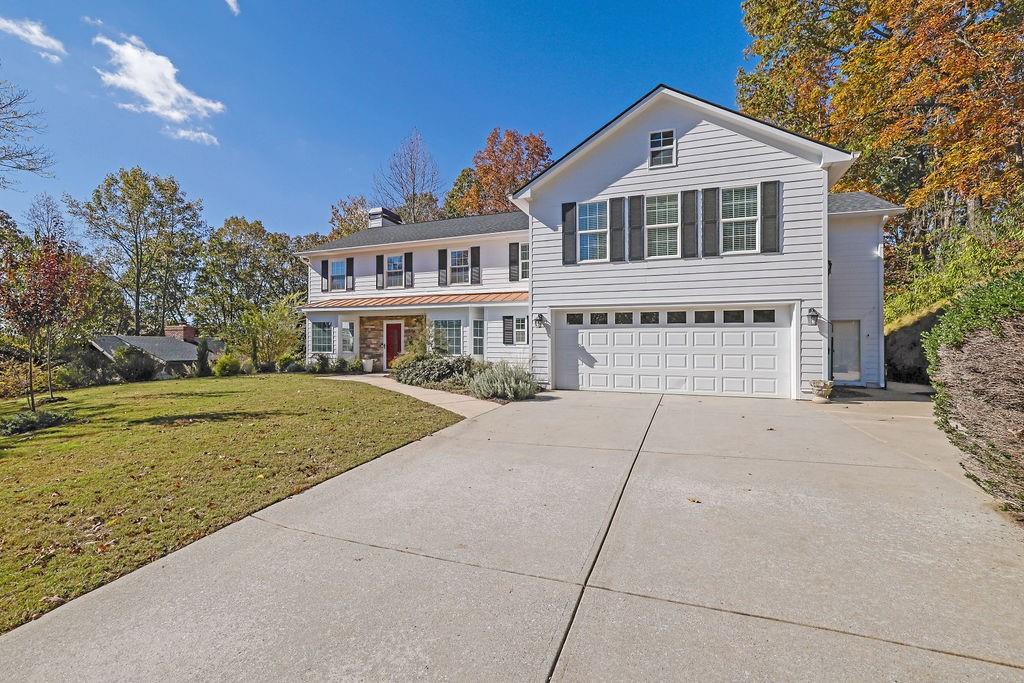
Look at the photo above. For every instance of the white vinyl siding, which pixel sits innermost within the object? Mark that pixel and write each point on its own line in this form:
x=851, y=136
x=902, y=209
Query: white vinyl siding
x=709, y=155
x=662, y=221
x=592, y=231
x=493, y=269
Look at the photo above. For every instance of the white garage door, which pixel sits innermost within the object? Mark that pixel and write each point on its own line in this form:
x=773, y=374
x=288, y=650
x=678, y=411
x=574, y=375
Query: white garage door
x=738, y=350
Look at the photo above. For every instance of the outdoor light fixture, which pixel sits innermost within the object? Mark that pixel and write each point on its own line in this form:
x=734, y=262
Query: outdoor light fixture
x=812, y=316
x=538, y=320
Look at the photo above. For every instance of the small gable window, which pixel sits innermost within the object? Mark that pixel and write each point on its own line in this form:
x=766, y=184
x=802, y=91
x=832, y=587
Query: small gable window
x=663, y=146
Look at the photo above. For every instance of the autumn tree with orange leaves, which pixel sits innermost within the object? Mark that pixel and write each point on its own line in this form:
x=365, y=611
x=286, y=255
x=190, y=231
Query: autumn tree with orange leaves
x=507, y=161
x=930, y=92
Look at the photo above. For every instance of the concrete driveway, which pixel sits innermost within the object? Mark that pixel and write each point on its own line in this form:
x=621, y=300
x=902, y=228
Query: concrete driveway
x=588, y=536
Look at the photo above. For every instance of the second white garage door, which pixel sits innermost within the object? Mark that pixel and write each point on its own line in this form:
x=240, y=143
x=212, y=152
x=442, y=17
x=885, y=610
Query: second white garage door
x=738, y=350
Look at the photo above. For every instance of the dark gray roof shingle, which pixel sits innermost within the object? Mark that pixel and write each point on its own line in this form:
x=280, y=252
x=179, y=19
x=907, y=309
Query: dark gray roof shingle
x=166, y=349
x=449, y=227
x=852, y=202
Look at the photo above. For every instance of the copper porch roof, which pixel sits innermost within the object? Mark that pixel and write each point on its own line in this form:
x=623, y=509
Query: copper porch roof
x=421, y=300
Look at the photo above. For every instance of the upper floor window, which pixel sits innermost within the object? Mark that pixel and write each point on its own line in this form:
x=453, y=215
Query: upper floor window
x=396, y=271
x=321, y=338
x=524, y=261
x=739, y=219
x=337, y=275
x=459, y=270
x=663, y=149
x=662, y=222
x=592, y=226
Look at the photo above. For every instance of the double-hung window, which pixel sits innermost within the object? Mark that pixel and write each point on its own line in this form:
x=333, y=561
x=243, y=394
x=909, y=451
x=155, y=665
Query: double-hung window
x=458, y=273
x=662, y=222
x=396, y=271
x=592, y=226
x=449, y=335
x=663, y=147
x=346, y=336
x=739, y=219
x=524, y=261
x=520, y=330
x=478, y=337
x=337, y=275
x=321, y=338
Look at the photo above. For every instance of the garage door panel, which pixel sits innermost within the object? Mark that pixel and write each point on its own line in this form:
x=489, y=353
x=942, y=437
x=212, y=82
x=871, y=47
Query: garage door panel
x=748, y=359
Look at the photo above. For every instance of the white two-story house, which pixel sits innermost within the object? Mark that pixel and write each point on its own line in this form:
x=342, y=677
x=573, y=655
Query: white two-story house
x=683, y=247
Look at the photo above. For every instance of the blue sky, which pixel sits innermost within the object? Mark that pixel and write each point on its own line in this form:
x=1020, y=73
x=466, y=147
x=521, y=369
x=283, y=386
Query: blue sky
x=275, y=111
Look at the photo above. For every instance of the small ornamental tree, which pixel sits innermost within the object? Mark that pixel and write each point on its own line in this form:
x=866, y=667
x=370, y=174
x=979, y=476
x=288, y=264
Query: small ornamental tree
x=40, y=287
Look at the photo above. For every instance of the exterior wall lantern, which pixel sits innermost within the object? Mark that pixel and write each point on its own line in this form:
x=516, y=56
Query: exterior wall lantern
x=812, y=317
x=538, y=320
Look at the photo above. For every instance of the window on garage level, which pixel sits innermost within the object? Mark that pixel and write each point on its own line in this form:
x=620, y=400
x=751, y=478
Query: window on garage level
x=598, y=318
x=733, y=316
x=739, y=219
x=662, y=223
x=649, y=318
x=624, y=318
x=321, y=339
x=766, y=315
x=449, y=333
x=592, y=226
x=676, y=317
x=573, y=318
x=704, y=317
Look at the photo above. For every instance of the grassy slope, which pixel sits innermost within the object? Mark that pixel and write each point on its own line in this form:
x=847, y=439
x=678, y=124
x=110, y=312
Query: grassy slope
x=152, y=467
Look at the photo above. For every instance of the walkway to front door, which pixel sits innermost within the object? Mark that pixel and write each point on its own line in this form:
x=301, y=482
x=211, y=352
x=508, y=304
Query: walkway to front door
x=392, y=341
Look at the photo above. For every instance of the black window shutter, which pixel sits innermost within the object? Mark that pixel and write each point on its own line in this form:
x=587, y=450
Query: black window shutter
x=380, y=271
x=710, y=222
x=508, y=329
x=689, y=204
x=616, y=225
x=513, y=261
x=350, y=273
x=636, y=228
x=408, y=268
x=568, y=233
x=474, y=265
x=770, y=216
x=442, y=267
x=324, y=274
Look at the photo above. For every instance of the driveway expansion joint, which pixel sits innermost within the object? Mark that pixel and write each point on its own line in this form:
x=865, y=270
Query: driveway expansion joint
x=406, y=551
x=817, y=627
x=604, y=537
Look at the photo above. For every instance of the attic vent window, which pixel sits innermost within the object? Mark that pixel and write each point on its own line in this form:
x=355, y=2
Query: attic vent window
x=663, y=145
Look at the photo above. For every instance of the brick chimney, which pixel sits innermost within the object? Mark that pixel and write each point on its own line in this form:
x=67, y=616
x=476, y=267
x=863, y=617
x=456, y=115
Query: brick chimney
x=183, y=332
x=379, y=217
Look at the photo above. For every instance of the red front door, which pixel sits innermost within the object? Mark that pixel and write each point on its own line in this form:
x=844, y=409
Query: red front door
x=392, y=341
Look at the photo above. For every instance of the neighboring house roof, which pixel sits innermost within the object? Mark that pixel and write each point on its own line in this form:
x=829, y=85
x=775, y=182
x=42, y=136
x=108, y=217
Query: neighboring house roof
x=166, y=349
x=859, y=202
x=465, y=226
x=829, y=154
x=421, y=300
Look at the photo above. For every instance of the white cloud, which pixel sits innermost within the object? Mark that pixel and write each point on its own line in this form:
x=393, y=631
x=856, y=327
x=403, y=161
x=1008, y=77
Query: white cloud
x=153, y=78
x=192, y=135
x=93, y=21
x=233, y=6
x=34, y=33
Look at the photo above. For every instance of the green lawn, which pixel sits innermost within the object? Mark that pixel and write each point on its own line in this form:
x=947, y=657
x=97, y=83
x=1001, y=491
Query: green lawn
x=152, y=467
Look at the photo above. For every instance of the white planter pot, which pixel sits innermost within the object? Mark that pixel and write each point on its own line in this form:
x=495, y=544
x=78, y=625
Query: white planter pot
x=820, y=399
x=367, y=365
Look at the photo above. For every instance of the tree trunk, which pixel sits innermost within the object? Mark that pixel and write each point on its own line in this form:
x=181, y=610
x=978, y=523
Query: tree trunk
x=31, y=377
x=138, y=302
x=49, y=363
x=255, y=347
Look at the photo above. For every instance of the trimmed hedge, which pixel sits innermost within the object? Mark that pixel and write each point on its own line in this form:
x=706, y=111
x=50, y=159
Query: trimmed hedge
x=976, y=362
